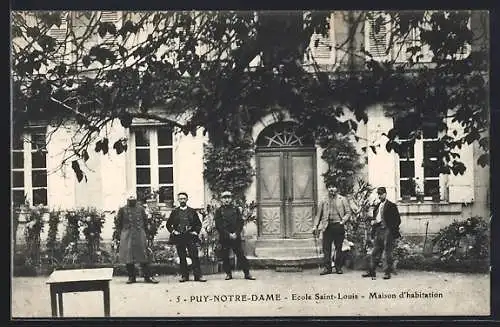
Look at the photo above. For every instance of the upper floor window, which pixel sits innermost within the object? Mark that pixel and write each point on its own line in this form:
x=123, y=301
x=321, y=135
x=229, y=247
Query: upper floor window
x=59, y=32
x=383, y=44
x=154, y=161
x=113, y=17
x=29, y=168
x=418, y=170
x=321, y=48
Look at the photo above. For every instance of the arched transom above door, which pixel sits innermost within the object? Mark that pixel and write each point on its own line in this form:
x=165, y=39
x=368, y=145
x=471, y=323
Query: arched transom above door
x=282, y=135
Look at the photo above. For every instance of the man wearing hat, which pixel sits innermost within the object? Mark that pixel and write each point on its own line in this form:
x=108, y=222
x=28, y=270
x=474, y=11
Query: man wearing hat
x=229, y=223
x=333, y=213
x=184, y=225
x=131, y=224
x=385, y=229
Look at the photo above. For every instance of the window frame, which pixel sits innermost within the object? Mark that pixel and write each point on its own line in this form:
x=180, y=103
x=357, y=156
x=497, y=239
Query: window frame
x=399, y=48
x=367, y=31
x=28, y=169
x=419, y=170
x=154, y=165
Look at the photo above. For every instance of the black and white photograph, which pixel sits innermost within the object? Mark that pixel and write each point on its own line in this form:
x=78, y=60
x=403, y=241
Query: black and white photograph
x=250, y=163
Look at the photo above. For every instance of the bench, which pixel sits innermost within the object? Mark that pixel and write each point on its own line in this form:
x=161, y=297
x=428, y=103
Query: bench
x=79, y=280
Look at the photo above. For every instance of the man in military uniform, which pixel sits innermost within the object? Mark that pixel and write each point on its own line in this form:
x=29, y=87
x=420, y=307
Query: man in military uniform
x=184, y=226
x=333, y=213
x=385, y=229
x=229, y=223
x=131, y=224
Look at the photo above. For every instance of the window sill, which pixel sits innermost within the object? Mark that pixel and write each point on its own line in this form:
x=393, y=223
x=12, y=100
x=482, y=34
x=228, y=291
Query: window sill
x=428, y=207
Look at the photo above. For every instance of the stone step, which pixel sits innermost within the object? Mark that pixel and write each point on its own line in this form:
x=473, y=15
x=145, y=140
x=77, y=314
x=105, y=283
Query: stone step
x=286, y=252
x=299, y=242
x=292, y=262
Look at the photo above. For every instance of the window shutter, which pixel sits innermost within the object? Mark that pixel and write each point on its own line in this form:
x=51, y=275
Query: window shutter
x=461, y=187
x=382, y=165
x=59, y=33
x=322, y=49
x=112, y=17
x=109, y=16
x=377, y=36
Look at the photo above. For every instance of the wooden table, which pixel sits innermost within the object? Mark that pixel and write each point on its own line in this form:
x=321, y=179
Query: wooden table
x=79, y=280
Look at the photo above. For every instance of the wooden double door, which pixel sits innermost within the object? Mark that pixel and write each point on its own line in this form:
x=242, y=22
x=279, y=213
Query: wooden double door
x=286, y=192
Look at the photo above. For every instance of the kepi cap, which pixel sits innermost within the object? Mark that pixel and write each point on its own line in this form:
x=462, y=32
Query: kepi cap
x=131, y=196
x=226, y=194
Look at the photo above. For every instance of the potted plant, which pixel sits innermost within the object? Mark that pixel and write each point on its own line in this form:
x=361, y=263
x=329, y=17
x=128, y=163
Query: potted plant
x=418, y=191
x=436, y=195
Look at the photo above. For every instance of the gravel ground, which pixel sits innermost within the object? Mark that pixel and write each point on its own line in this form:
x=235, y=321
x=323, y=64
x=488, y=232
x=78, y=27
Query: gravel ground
x=272, y=294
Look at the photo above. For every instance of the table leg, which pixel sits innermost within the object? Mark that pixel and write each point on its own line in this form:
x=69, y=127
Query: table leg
x=53, y=300
x=106, y=300
x=60, y=300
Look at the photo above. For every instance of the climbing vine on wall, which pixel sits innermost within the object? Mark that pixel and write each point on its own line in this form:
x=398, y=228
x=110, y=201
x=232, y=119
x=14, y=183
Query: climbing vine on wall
x=229, y=168
x=343, y=161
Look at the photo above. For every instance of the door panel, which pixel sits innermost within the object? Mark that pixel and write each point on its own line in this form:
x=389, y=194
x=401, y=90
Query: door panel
x=301, y=195
x=286, y=193
x=270, y=194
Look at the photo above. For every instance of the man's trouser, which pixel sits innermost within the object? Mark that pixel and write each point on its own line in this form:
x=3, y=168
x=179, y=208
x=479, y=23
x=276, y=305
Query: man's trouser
x=334, y=232
x=383, y=241
x=237, y=248
x=146, y=270
x=185, y=246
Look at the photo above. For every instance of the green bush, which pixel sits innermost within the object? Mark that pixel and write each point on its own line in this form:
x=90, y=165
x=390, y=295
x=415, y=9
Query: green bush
x=465, y=239
x=33, y=229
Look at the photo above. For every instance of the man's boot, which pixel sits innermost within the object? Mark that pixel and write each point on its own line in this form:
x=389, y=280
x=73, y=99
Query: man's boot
x=248, y=276
x=131, y=273
x=326, y=271
x=147, y=274
x=371, y=274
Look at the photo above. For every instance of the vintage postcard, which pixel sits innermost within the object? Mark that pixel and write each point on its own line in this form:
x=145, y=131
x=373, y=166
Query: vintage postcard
x=250, y=163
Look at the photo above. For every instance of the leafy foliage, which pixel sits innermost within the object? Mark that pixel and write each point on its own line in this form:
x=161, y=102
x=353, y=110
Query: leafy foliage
x=464, y=239
x=343, y=162
x=229, y=168
x=54, y=220
x=209, y=237
x=358, y=227
x=155, y=221
x=228, y=69
x=33, y=228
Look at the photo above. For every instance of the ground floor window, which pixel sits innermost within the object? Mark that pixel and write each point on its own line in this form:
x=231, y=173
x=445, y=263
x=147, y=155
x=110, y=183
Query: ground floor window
x=418, y=165
x=153, y=161
x=29, y=167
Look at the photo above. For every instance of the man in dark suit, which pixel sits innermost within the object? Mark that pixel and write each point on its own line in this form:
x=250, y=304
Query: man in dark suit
x=184, y=226
x=385, y=229
x=229, y=223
